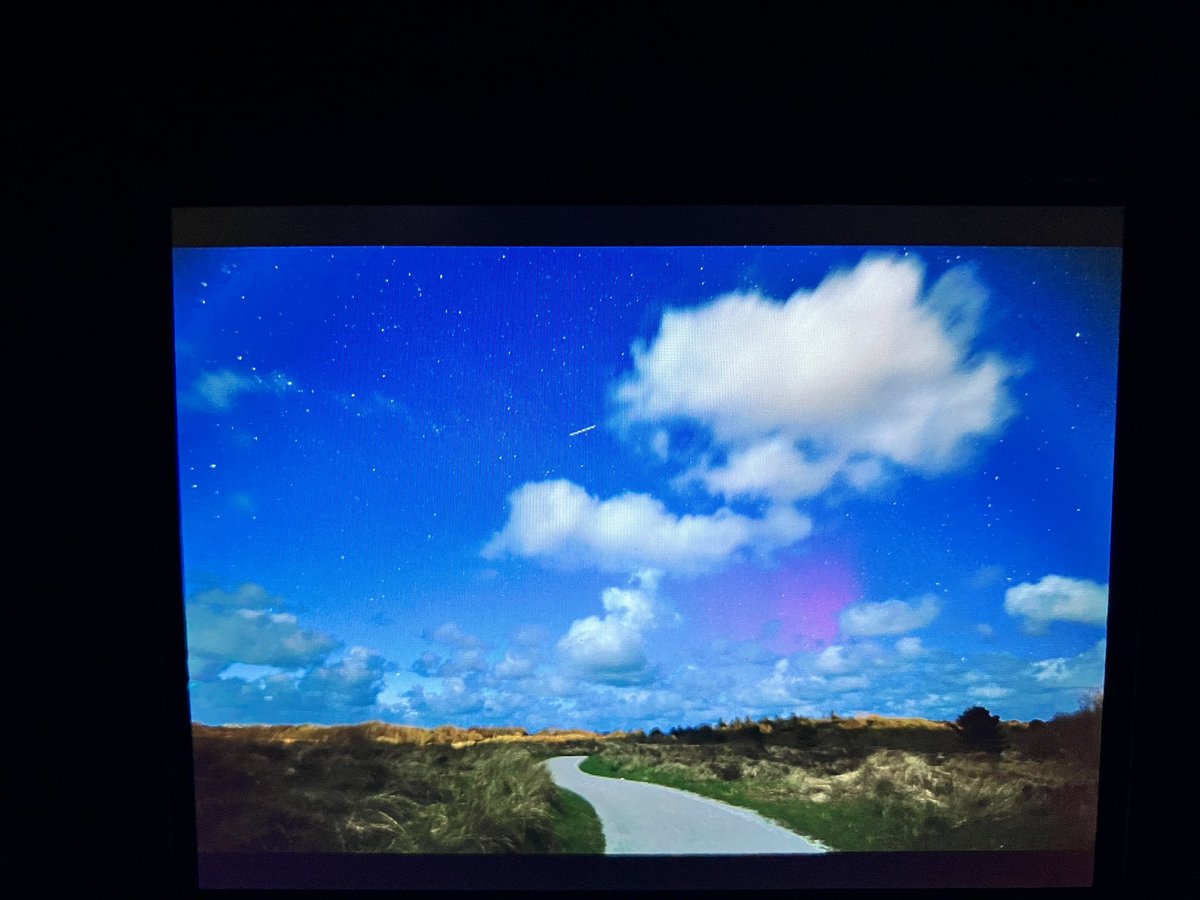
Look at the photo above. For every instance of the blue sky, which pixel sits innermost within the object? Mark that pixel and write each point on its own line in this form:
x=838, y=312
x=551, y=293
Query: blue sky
x=636, y=487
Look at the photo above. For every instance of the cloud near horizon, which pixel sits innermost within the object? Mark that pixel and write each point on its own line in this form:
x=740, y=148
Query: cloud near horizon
x=246, y=628
x=863, y=371
x=560, y=523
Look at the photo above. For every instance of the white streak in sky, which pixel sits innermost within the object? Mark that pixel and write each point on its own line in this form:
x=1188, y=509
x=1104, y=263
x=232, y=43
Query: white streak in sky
x=581, y=431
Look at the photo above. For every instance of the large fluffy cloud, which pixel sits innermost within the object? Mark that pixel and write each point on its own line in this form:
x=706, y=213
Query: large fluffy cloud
x=560, y=523
x=1057, y=598
x=612, y=649
x=863, y=369
x=888, y=618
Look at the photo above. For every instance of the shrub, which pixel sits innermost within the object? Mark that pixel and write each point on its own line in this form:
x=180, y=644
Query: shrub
x=1078, y=733
x=1039, y=741
x=980, y=730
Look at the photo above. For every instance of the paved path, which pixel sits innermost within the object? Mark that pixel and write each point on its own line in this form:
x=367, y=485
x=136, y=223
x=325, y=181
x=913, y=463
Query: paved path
x=640, y=818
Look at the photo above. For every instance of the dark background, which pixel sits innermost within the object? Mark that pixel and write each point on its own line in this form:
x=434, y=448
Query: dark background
x=112, y=117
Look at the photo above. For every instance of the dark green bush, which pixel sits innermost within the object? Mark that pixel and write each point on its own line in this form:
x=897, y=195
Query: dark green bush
x=980, y=730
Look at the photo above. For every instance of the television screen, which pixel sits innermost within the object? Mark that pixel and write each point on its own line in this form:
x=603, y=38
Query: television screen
x=682, y=546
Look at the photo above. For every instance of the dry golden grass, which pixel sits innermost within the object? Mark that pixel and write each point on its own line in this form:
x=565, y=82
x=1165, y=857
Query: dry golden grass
x=875, y=782
x=380, y=788
x=386, y=733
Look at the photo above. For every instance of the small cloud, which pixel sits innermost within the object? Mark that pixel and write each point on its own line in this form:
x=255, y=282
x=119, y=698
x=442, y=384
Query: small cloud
x=1057, y=598
x=985, y=629
x=889, y=617
x=991, y=692
x=247, y=596
x=986, y=576
x=612, y=649
x=863, y=473
x=219, y=391
x=849, y=683
x=451, y=635
x=354, y=682
x=432, y=665
x=1084, y=671
x=1050, y=669
x=456, y=698
x=910, y=647
x=515, y=665
x=661, y=444
x=833, y=660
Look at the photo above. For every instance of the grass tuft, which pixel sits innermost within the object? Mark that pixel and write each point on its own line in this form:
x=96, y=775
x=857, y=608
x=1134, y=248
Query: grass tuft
x=359, y=790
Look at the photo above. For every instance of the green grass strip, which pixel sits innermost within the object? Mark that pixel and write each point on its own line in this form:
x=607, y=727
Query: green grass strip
x=859, y=824
x=575, y=823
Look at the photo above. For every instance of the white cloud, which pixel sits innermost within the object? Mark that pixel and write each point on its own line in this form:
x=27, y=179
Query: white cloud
x=661, y=443
x=558, y=522
x=612, y=649
x=1057, y=598
x=773, y=468
x=515, y=665
x=862, y=473
x=834, y=659
x=776, y=688
x=859, y=371
x=991, y=692
x=452, y=635
x=433, y=665
x=889, y=617
x=1050, y=669
x=353, y=682
x=849, y=683
x=218, y=391
x=247, y=596
x=456, y=698
x=343, y=691
x=910, y=647
x=789, y=686
x=1085, y=671
x=218, y=636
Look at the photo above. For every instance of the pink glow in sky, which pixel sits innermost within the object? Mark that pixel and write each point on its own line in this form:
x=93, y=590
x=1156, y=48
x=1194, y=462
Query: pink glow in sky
x=791, y=608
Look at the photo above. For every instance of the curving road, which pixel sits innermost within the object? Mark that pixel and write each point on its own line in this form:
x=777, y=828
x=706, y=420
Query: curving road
x=640, y=818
